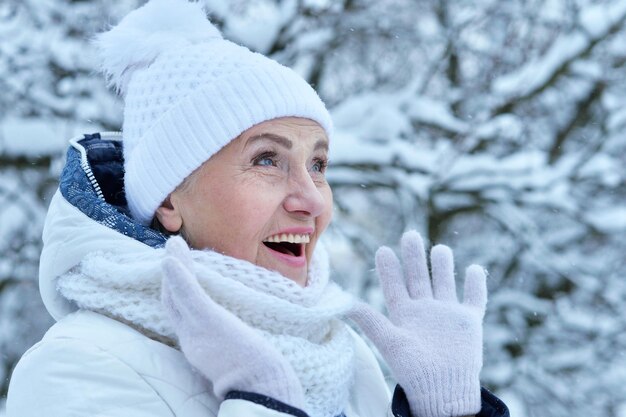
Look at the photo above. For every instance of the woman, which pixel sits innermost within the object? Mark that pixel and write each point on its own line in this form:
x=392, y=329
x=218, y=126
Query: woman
x=226, y=150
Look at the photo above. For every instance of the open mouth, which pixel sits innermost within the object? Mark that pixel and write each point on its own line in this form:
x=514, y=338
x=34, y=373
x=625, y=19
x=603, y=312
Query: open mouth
x=293, y=249
x=288, y=244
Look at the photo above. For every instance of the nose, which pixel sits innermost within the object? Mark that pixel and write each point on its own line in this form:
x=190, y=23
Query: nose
x=304, y=196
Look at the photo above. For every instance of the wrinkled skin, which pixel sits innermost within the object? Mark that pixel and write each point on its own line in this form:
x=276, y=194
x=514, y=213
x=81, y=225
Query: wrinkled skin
x=254, y=187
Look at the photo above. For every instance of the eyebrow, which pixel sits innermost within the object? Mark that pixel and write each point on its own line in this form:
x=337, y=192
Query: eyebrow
x=285, y=142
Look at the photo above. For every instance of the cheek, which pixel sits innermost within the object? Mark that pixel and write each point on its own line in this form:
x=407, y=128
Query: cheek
x=239, y=219
x=327, y=215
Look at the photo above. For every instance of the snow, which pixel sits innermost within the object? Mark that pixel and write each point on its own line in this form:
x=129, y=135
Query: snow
x=514, y=403
x=436, y=113
x=522, y=301
x=608, y=219
x=319, y=4
x=258, y=28
x=500, y=374
x=312, y=39
x=351, y=148
x=617, y=120
x=68, y=54
x=218, y=7
x=598, y=19
x=38, y=137
x=372, y=116
x=586, y=70
x=563, y=360
x=604, y=168
x=538, y=71
x=503, y=127
x=465, y=160
x=392, y=114
x=553, y=10
x=518, y=171
x=13, y=214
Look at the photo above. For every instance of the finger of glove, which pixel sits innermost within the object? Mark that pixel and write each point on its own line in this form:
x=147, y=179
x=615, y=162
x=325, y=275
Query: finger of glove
x=475, y=291
x=201, y=325
x=378, y=328
x=442, y=264
x=197, y=313
x=168, y=303
x=415, y=266
x=177, y=247
x=391, y=278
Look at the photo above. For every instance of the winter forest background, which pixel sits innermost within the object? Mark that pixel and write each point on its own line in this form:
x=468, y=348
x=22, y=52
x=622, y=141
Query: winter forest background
x=497, y=127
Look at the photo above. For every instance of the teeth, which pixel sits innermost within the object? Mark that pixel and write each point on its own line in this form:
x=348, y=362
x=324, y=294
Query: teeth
x=290, y=238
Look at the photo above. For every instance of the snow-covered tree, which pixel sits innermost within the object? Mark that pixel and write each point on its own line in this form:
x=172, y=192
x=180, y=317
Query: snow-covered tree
x=496, y=127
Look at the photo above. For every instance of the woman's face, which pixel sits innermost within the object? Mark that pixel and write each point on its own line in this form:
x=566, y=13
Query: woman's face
x=262, y=198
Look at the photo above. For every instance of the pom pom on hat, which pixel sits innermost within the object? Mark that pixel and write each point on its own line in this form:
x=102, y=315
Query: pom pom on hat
x=187, y=93
x=144, y=34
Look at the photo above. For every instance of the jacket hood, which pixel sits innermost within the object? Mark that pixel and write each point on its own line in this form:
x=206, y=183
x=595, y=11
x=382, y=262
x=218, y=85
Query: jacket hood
x=88, y=213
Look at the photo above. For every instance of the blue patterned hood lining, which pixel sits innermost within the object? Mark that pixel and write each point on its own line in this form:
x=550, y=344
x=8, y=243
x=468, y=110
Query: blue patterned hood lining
x=93, y=181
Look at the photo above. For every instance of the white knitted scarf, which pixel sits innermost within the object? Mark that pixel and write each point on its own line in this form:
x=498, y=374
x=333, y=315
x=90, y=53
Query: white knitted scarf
x=302, y=323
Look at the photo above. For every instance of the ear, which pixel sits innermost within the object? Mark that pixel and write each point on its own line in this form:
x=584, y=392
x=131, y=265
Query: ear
x=169, y=216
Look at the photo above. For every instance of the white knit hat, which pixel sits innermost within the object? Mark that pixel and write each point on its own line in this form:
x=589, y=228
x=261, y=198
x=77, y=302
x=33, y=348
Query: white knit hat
x=187, y=93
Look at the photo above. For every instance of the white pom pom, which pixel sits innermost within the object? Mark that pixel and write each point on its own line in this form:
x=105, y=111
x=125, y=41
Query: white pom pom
x=145, y=33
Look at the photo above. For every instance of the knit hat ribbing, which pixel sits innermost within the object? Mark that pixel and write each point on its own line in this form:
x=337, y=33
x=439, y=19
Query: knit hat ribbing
x=188, y=92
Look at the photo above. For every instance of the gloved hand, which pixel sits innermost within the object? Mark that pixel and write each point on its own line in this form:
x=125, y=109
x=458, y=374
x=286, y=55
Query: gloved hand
x=431, y=342
x=223, y=348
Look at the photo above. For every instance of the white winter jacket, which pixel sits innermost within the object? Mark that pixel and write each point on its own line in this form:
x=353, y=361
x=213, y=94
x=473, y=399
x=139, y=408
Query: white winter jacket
x=89, y=365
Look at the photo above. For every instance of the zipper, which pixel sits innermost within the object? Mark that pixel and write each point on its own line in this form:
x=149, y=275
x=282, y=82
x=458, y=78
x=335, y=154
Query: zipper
x=84, y=162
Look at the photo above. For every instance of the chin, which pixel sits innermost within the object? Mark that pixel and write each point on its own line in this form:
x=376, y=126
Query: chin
x=299, y=278
x=286, y=259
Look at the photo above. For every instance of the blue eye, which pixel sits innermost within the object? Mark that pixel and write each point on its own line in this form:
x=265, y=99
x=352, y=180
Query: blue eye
x=265, y=162
x=266, y=159
x=319, y=165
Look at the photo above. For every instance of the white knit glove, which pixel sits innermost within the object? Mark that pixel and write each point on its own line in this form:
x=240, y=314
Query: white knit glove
x=223, y=348
x=432, y=343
